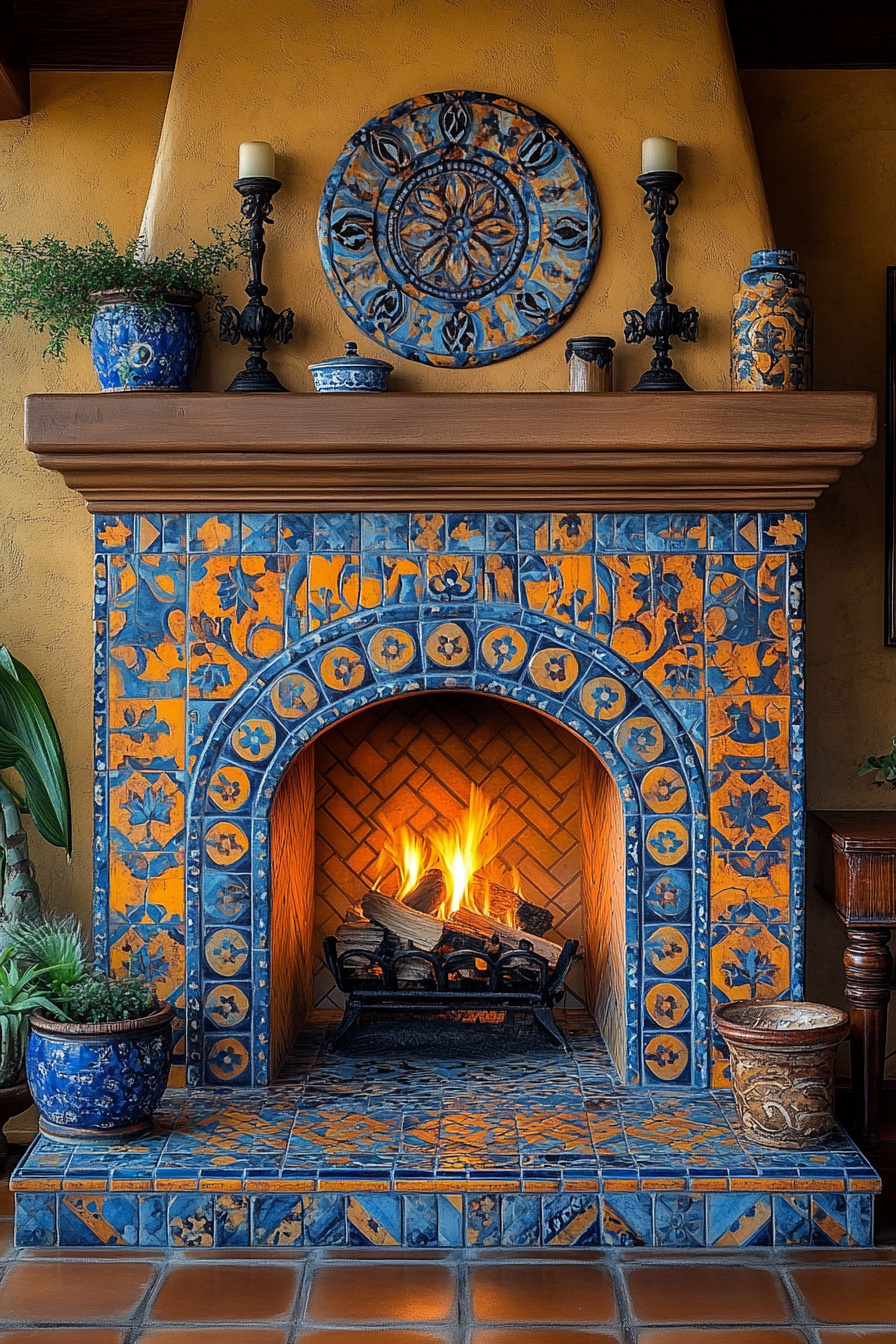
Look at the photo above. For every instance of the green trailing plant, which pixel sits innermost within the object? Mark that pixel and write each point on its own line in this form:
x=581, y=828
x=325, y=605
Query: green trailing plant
x=29, y=746
x=52, y=947
x=98, y=997
x=20, y=994
x=53, y=285
x=883, y=766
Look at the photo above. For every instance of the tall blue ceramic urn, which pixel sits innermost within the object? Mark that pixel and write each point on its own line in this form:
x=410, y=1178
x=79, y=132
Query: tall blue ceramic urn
x=138, y=348
x=771, y=335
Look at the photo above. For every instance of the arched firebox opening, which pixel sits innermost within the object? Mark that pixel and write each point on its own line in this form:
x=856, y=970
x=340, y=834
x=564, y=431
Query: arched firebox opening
x=251, y=885
x=556, y=817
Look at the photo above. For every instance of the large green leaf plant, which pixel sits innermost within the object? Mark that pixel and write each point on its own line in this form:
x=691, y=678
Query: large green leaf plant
x=33, y=780
x=884, y=767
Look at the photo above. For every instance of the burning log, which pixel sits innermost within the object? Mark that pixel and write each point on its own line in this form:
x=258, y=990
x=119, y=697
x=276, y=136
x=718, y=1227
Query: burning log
x=357, y=934
x=533, y=918
x=510, y=939
x=457, y=939
x=509, y=906
x=406, y=923
x=429, y=892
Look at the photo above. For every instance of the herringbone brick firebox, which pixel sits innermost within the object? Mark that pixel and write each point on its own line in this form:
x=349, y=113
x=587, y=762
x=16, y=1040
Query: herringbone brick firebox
x=412, y=760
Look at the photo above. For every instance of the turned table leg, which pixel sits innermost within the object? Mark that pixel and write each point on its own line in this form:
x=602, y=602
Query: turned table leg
x=869, y=964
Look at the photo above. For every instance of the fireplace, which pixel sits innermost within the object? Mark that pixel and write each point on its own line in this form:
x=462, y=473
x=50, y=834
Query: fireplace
x=278, y=688
x=663, y=649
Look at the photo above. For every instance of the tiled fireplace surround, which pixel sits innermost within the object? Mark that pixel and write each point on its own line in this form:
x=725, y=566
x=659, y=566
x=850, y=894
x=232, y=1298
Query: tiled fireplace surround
x=668, y=647
x=668, y=644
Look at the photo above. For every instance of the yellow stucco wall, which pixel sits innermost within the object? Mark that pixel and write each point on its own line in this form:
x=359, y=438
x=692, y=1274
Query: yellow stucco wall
x=305, y=77
x=827, y=148
x=85, y=153
x=828, y=153
x=608, y=72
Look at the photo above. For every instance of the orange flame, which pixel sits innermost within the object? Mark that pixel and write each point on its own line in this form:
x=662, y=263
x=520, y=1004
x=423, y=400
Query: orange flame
x=406, y=851
x=502, y=876
x=463, y=849
x=464, y=846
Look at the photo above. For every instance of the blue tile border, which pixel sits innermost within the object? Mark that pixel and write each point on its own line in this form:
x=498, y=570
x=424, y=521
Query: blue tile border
x=480, y=1220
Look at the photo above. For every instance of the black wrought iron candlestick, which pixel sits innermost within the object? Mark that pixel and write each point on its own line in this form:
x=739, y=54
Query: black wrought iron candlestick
x=663, y=320
x=257, y=323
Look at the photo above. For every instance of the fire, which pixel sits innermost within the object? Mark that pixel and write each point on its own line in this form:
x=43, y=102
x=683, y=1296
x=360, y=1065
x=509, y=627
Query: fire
x=410, y=854
x=498, y=874
x=465, y=846
x=463, y=849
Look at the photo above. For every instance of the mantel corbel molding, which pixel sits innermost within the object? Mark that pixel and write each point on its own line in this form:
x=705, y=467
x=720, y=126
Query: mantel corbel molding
x=172, y=452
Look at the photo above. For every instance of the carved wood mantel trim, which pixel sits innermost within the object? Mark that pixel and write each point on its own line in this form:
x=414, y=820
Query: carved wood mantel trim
x=173, y=452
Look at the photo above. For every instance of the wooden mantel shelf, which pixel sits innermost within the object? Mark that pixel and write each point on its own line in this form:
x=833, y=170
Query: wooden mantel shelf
x=154, y=452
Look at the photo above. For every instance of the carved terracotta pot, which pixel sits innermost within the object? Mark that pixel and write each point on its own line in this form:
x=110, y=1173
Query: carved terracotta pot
x=782, y=1068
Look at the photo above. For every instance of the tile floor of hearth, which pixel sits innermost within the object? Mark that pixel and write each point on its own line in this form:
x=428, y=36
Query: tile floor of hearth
x=545, y=1149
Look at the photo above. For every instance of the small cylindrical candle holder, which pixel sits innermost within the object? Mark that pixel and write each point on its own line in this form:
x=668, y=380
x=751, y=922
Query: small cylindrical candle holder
x=590, y=360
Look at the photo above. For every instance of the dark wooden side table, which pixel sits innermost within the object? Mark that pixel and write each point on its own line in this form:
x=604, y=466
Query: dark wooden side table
x=859, y=880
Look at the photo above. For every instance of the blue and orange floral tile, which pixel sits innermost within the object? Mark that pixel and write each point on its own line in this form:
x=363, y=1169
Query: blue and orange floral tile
x=670, y=642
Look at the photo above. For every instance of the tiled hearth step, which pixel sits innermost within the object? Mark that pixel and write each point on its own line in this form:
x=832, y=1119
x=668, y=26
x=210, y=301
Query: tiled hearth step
x=542, y=1149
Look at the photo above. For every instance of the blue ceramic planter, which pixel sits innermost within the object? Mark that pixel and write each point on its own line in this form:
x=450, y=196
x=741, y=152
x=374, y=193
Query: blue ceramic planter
x=98, y=1080
x=136, y=348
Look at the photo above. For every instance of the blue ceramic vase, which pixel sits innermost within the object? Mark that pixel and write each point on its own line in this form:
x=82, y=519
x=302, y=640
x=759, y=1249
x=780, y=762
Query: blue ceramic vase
x=771, y=337
x=95, y=1080
x=137, y=348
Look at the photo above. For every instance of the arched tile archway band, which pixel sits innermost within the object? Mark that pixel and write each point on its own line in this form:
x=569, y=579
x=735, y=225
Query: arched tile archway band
x=670, y=644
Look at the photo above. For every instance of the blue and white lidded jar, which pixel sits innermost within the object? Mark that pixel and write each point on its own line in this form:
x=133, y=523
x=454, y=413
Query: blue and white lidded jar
x=351, y=372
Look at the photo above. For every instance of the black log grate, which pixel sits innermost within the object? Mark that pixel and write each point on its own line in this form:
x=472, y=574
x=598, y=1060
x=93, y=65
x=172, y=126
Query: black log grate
x=458, y=986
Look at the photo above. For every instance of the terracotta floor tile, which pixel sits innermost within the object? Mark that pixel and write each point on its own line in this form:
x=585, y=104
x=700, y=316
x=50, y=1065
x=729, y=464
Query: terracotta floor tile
x=365, y=1337
x=188, y=1335
x=857, y=1336
x=60, y=1336
x=376, y=1253
x=545, y=1335
x=823, y=1255
x=685, y=1335
x=540, y=1292
x=7, y=1201
x=855, y=1295
x=231, y=1292
x=559, y=1257
x=73, y=1290
x=682, y=1293
x=402, y=1291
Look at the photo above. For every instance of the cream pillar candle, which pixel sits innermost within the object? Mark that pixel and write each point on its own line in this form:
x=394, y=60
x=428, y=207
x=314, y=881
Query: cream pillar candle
x=659, y=155
x=256, y=159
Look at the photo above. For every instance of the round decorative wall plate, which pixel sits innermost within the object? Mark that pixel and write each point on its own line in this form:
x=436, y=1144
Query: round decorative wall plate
x=459, y=228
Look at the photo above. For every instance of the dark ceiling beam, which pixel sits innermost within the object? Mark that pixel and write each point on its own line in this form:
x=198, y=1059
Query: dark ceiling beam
x=145, y=34
x=15, y=99
x=100, y=34
x=813, y=34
